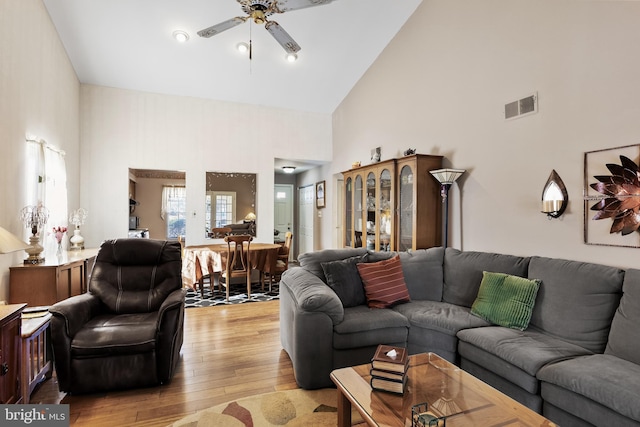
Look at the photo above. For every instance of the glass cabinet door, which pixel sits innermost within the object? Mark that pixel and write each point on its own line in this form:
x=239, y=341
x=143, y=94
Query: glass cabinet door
x=405, y=209
x=371, y=211
x=358, y=214
x=348, y=205
x=385, y=212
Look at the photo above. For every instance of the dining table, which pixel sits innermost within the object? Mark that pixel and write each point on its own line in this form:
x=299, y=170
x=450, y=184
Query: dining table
x=201, y=261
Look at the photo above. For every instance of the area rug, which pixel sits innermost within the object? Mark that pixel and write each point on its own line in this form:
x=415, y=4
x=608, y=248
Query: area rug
x=237, y=295
x=292, y=408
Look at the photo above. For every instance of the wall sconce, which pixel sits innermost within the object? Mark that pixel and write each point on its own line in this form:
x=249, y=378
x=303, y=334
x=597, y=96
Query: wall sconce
x=554, y=196
x=446, y=177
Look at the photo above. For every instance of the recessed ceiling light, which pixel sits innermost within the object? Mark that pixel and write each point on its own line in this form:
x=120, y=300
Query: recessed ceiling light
x=242, y=47
x=181, y=36
x=291, y=57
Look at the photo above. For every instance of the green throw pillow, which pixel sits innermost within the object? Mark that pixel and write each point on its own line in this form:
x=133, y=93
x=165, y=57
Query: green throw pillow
x=506, y=300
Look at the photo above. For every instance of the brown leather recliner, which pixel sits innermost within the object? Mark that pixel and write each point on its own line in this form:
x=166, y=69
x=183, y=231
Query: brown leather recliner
x=127, y=330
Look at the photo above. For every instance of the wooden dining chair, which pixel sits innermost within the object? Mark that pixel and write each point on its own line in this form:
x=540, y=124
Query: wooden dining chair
x=220, y=232
x=282, y=263
x=238, y=262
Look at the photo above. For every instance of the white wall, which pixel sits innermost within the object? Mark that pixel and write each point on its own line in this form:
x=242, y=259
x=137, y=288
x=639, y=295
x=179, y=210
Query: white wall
x=441, y=85
x=124, y=129
x=39, y=94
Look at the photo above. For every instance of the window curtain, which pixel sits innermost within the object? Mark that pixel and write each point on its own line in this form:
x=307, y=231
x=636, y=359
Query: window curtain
x=47, y=185
x=55, y=191
x=168, y=194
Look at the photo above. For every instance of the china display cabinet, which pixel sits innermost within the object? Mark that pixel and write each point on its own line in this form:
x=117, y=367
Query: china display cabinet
x=369, y=204
x=393, y=205
x=419, y=203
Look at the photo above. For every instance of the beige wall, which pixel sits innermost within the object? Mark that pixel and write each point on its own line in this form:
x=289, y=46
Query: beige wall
x=441, y=85
x=124, y=129
x=39, y=94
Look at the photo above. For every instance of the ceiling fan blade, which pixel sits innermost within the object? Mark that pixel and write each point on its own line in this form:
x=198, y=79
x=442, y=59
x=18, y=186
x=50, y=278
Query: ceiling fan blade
x=223, y=26
x=287, y=5
x=282, y=37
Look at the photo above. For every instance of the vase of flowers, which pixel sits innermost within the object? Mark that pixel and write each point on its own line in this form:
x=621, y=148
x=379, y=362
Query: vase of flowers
x=58, y=232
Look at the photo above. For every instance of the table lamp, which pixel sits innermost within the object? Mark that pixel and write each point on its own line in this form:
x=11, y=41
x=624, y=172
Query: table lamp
x=10, y=242
x=34, y=217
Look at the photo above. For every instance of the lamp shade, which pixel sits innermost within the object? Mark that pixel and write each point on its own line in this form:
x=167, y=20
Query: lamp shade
x=10, y=242
x=447, y=176
x=250, y=217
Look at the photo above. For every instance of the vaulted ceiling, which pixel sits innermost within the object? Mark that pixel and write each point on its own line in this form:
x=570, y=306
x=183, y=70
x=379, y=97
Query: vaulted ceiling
x=129, y=44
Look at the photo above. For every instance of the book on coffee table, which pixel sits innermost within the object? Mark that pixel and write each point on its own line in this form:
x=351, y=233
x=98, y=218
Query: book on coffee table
x=394, y=376
x=390, y=359
x=392, y=386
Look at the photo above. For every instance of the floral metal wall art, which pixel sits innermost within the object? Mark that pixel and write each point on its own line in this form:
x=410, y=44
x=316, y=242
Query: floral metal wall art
x=616, y=195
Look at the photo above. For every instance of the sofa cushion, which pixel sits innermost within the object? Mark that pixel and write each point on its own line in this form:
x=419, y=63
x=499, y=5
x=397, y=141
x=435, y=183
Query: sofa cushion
x=576, y=300
x=439, y=316
x=463, y=272
x=506, y=300
x=343, y=277
x=624, y=338
x=605, y=379
x=363, y=326
x=499, y=349
x=312, y=261
x=384, y=284
x=422, y=271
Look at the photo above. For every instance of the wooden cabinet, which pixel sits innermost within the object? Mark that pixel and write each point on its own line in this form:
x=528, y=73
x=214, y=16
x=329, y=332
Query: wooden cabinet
x=10, y=350
x=393, y=205
x=419, y=203
x=53, y=281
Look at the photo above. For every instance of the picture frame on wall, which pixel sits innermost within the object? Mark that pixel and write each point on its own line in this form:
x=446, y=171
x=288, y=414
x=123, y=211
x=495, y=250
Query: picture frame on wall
x=617, y=224
x=320, y=194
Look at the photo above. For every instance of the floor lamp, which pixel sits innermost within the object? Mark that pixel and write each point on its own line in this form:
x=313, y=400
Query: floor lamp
x=446, y=177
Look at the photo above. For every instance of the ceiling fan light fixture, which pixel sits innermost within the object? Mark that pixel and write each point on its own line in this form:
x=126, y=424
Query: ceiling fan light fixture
x=288, y=169
x=242, y=47
x=291, y=57
x=180, y=36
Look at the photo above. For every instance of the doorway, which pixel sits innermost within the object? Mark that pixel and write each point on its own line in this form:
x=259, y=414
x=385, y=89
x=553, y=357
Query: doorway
x=306, y=206
x=282, y=211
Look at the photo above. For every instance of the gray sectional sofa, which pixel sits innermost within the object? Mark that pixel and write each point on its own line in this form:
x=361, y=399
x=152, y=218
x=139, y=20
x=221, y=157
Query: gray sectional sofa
x=577, y=362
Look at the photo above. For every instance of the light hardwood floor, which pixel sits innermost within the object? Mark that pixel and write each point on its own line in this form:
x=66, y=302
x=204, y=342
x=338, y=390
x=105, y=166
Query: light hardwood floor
x=229, y=352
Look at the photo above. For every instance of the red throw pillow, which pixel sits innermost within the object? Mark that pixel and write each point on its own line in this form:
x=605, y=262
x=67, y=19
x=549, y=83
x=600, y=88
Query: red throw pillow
x=384, y=283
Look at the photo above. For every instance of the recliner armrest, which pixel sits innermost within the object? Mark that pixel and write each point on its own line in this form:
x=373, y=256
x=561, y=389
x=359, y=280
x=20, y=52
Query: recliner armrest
x=76, y=311
x=175, y=299
x=311, y=294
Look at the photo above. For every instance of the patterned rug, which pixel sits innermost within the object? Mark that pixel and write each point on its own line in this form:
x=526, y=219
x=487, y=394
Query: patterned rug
x=294, y=408
x=237, y=295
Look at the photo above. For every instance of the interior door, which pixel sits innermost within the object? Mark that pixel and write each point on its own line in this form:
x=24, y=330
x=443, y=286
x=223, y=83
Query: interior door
x=306, y=206
x=283, y=209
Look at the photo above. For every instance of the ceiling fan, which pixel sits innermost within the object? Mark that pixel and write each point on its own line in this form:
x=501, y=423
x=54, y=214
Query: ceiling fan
x=258, y=10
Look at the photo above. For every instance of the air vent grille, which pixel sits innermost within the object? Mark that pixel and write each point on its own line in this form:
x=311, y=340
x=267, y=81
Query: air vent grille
x=521, y=107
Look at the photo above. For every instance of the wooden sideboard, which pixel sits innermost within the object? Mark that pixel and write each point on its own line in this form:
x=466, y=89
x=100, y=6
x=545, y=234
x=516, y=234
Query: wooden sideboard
x=10, y=353
x=56, y=279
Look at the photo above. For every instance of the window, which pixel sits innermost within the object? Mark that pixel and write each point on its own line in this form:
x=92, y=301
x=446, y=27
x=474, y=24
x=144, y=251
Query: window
x=222, y=205
x=174, y=211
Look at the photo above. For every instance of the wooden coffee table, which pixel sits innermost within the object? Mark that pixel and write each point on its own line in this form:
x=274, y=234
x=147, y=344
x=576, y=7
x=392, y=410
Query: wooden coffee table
x=448, y=390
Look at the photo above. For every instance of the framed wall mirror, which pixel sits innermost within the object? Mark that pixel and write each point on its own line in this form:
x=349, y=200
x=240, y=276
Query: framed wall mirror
x=230, y=201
